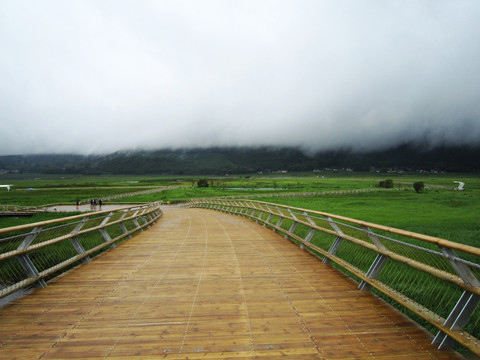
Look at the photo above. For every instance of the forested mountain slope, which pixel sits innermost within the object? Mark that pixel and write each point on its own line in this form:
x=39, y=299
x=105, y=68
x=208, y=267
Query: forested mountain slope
x=242, y=160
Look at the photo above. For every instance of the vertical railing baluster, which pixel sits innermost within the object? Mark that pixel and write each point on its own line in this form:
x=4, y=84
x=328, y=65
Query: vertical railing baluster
x=338, y=240
x=267, y=222
x=25, y=262
x=466, y=305
x=312, y=231
x=76, y=243
x=379, y=262
x=103, y=230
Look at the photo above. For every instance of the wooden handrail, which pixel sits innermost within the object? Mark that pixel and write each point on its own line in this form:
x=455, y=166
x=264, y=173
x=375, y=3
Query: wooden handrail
x=64, y=219
x=461, y=274
x=50, y=250
x=413, y=235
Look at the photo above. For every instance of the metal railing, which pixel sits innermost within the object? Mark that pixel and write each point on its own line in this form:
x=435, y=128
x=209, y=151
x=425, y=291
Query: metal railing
x=32, y=254
x=133, y=193
x=435, y=281
x=17, y=209
x=303, y=194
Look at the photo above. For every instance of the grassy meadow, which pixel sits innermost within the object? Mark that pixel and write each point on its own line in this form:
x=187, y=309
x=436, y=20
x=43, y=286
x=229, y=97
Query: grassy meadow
x=438, y=210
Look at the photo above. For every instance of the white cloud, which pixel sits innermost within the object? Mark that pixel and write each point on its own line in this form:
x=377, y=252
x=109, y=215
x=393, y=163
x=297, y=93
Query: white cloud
x=90, y=76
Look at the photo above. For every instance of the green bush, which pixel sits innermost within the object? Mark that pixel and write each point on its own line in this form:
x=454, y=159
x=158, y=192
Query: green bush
x=388, y=184
x=202, y=183
x=419, y=186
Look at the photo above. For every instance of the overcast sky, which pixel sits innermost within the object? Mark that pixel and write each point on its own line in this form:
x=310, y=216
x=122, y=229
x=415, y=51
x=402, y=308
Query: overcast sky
x=100, y=76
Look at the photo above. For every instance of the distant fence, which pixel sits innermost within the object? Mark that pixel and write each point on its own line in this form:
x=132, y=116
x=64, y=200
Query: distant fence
x=18, y=209
x=31, y=254
x=134, y=193
x=303, y=194
x=435, y=279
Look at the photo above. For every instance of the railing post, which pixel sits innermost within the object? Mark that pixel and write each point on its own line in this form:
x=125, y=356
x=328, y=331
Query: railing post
x=268, y=218
x=463, y=270
x=24, y=260
x=311, y=222
x=30, y=270
x=457, y=319
x=135, y=221
x=291, y=229
x=244, y=212
x=123, y=227
x=374, y=270
x=280, y=221
x=312, y=231
x=143, y=217
x=76, y=243
x=137, y=225
x=278, y=224
x=379, y=262
x=148, y=217
x=338, y=240
x=466, y=305
x=291, y=213
x=293, y=226
x=104, y=232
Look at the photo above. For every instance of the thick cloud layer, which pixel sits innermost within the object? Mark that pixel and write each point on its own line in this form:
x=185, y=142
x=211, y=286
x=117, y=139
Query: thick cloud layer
x=99, y=76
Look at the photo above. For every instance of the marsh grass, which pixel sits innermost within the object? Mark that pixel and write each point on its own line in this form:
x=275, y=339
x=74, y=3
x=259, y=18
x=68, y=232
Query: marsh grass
x=446, y=214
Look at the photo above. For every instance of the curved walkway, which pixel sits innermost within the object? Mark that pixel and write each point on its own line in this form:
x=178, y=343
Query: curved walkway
x=205, y=285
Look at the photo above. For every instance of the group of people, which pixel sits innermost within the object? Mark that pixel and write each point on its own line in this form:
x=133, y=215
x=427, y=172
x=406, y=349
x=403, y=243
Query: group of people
x=93, y=204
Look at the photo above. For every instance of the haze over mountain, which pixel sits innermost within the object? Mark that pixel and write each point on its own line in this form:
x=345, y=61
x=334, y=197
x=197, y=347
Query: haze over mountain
x=89, y=77
x=266, y=160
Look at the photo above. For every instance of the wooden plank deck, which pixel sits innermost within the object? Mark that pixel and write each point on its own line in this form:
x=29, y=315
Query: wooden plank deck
x=206, y=285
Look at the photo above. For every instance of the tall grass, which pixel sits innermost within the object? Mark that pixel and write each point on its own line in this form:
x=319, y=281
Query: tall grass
x=452, y=215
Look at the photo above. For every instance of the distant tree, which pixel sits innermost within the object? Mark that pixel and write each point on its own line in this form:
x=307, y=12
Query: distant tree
x=387, y=184
x=419, y=186
x=202, y=183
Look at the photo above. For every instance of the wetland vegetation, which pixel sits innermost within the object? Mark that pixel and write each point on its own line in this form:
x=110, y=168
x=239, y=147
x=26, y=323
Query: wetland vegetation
x=438, y=211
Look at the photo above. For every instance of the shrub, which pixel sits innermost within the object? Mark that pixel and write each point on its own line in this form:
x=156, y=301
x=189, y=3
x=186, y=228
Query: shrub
x=388, y=184
x=202, y=183
x=419, y=186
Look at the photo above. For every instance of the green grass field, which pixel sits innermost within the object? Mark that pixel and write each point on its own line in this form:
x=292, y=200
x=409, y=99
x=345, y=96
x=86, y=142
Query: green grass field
x=438, y=211
x=453, y=215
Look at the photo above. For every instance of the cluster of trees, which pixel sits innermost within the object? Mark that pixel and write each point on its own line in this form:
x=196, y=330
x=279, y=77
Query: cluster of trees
x=234, y=160
x=419, y=186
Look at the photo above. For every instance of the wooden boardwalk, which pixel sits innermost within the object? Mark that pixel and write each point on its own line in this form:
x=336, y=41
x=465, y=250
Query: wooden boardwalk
x=205, y=285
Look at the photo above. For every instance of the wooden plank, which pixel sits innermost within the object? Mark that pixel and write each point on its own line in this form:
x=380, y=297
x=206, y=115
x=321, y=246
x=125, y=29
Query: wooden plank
x=206, y=285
